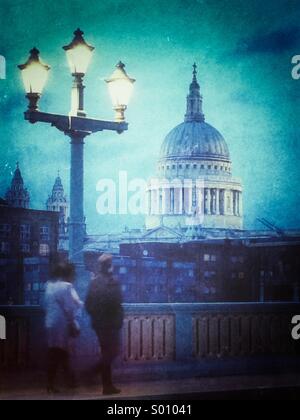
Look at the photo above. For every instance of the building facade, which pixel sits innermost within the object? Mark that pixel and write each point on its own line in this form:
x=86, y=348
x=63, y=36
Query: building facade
x=250, y=269
x=28, y=240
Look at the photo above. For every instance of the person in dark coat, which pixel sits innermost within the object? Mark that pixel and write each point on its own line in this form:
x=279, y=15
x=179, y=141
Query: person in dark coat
x=104, y=305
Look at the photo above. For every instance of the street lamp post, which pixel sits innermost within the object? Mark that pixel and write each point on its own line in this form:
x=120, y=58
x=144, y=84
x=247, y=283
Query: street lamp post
x=76, y=125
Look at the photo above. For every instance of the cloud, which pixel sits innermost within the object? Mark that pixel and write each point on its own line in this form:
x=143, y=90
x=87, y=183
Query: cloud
x=275, y=42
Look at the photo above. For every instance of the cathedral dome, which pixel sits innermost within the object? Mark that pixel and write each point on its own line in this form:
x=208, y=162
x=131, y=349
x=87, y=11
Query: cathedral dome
x=195, y=140
x=194, y=185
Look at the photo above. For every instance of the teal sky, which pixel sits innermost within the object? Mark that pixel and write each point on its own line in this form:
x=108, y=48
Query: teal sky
x=243, y=50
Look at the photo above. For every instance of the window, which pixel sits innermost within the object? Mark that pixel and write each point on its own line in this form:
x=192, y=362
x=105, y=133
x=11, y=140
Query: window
x=44, y=250
x=25, y=231
x=123, y=270
x=5, y=247
x=191, y=273
x=209, y=275
x=241, y=275
x=237, y=259
x=210, y=258
x=202, y=166
x=5, y=230
x=25, y=248
x=195, y=166
x=36, y=287
x=187, y=166
x=44, y=233
x=174, y=167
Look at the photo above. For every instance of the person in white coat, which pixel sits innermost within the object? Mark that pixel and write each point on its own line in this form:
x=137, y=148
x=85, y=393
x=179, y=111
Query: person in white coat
x=62, y=305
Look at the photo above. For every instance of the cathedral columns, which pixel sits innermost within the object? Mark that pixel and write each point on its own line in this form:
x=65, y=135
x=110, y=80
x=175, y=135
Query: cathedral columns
x=228, y=202
x=167, y=199
x=208, y=201
x=233, y=196
x=222, y=202
x=236, y=203
x=241, y=203
x=217, y=201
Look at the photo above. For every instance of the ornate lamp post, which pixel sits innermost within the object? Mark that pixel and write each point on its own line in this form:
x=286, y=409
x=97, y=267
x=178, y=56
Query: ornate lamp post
x=75, y=125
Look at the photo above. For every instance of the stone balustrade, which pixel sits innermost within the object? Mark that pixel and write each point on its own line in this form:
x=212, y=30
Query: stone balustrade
x=172, y=334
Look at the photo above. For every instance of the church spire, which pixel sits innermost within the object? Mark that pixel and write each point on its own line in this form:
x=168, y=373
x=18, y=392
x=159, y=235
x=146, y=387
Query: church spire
x=194, y=111
x=17, y=195
x=58, y=202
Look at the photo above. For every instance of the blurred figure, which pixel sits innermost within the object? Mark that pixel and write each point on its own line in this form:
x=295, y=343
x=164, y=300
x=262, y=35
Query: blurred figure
x=62, y=305
x=104, y=305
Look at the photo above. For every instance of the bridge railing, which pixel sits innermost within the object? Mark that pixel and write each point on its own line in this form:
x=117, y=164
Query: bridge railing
x=169, y=333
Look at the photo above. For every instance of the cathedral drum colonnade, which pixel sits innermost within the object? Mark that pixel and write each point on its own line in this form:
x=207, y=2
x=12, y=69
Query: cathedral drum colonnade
x=194, y=183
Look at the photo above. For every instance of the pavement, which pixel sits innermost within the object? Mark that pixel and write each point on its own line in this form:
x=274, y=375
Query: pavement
x=285, y=386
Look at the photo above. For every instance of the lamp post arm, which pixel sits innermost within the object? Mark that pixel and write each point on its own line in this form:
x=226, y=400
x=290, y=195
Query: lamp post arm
x=69, y=124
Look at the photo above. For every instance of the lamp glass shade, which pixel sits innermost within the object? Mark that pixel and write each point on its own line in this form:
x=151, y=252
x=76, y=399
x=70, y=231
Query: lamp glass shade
x=34, y=73
x=120, y=87
x=79, y=54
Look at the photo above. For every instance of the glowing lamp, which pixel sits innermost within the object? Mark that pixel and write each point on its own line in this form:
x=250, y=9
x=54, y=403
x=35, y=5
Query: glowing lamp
x=120, y=87
x=79, y=54
x=35, y=75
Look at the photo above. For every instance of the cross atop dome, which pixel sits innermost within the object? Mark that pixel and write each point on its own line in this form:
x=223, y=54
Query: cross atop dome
x=194, y=111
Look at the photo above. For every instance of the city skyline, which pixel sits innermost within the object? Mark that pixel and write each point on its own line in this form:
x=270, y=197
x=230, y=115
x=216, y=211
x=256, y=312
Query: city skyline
x=249, y=96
